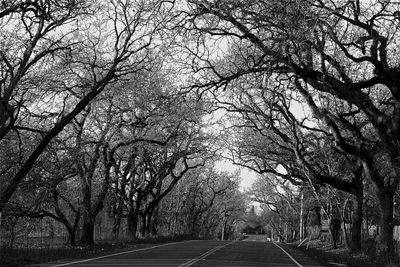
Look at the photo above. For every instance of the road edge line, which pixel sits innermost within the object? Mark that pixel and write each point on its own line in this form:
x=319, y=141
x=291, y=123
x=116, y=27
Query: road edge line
x=290, y=256
x=204, y=255
x=116, y=254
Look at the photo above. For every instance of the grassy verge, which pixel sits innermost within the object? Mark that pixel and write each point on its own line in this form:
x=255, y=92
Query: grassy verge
x=337, y=257
x=22, y=257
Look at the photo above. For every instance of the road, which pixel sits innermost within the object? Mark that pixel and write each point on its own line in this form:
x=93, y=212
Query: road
x=202, y=253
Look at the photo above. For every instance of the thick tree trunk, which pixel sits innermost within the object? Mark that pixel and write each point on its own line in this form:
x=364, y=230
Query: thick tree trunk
x=87, y=236
x=385, y=247
x=153, y=227
x=149, y=221
x=71, y=237
x=356, y=226
x=152, y=222
x=132, y=220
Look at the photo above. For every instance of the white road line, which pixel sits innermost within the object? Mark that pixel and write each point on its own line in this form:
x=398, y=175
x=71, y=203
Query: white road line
x=290, y=256
x=204, y=255
x=116, y=254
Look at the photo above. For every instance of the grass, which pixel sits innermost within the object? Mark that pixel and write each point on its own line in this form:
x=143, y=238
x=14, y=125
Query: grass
x=324, y=253
x=30, y=256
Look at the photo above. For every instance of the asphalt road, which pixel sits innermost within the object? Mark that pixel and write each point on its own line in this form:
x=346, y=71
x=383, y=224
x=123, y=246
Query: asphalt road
x=202, y=253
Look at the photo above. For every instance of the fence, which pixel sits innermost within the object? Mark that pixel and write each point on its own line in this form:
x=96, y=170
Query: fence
x=44, y=233
x=48, y=233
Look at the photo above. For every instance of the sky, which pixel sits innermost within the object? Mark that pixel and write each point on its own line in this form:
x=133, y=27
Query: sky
x=247, y=176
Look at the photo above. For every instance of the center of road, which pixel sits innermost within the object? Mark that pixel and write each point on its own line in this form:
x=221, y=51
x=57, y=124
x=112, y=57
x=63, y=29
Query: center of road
x=204, y=255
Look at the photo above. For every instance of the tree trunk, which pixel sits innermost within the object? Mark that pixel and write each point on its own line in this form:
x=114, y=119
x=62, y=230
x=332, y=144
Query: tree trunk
x=132, y=220
x=143, y=231
x=87, y=237
x=152, y=222
x=356, y=226
x=149, y=225
x=153, y=227
x=385, y=246
x=71, y=237
x=116, y=225
x=71, y=233
x=117, y=218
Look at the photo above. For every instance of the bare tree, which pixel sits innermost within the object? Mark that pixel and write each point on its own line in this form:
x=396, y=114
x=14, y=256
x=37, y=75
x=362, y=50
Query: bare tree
x=270, y=137
x=344, y=50
x=46, y=192
x=72, y=51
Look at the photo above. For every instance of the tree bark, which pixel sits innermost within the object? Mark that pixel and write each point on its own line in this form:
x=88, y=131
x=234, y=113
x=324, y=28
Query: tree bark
x=143, y=230
x=71, y=237
x=87, y=237
x=152, y=222
x=132, y=220
x=385, y=247
x=117, y=215
x=356, y=226
x=148, y=221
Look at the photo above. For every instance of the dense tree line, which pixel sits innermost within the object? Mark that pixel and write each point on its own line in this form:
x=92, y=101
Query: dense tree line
x=205, y=203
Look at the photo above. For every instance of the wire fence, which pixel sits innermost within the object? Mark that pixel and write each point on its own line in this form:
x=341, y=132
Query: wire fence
x=48, y=233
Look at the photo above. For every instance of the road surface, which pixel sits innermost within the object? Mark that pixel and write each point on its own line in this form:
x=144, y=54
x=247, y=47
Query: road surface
x=202, y=253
